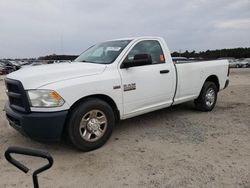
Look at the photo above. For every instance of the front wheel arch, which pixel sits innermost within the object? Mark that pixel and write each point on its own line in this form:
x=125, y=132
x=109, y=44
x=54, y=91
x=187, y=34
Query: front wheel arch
x=105, y=98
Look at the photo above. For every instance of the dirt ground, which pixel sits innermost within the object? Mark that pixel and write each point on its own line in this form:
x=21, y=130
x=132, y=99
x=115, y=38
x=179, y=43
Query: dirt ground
x=174, y=147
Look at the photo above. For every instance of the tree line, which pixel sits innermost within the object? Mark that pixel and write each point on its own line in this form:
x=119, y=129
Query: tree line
x=209, y=54
x=58, y=57
x=214, y=54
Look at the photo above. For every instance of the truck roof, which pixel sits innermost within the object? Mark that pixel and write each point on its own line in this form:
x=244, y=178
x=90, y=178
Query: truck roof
x=136, y=38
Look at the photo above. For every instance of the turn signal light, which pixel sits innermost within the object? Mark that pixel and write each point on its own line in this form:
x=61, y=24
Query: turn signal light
x=55, y=96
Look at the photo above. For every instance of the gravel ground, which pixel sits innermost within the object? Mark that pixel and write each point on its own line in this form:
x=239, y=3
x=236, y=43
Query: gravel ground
x=174, y=147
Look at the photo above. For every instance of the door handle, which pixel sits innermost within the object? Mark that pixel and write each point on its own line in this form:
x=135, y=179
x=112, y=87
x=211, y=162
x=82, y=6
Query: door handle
x=164, y=71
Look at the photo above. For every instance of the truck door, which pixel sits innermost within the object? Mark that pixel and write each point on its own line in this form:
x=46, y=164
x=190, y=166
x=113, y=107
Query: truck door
x=147, y=87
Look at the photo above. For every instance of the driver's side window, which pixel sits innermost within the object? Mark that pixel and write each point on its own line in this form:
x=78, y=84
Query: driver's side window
x=150, y=47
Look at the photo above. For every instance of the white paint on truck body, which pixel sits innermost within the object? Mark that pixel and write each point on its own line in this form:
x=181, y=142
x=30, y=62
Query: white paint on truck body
x=74, y=81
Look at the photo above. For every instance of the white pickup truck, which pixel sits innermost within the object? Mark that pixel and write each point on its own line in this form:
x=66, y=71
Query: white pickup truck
x=110, y=81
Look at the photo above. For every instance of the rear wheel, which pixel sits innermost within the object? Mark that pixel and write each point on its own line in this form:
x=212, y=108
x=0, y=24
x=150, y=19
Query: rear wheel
x=207, y=98
x=90, y=124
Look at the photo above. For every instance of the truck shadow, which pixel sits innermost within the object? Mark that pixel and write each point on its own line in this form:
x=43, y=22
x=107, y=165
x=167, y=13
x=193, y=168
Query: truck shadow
x=153, y=121
x=177, y=124
x=163, y=114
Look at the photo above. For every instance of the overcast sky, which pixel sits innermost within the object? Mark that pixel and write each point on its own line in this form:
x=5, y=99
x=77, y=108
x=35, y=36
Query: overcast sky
x=32, y=28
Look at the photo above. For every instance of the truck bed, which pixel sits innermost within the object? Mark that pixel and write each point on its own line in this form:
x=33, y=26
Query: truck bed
x=192, y=75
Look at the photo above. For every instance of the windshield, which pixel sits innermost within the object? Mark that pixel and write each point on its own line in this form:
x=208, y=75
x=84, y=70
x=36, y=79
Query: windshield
x=103, y=53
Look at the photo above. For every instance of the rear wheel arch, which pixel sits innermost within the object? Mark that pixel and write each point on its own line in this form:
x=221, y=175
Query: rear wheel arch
x=214, y=79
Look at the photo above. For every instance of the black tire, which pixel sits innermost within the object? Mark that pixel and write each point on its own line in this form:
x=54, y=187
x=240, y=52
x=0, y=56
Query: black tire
x=76, y=115
x=201, y=101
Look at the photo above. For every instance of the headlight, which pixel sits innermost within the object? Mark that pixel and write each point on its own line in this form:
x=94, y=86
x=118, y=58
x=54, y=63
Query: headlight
x=44, y=98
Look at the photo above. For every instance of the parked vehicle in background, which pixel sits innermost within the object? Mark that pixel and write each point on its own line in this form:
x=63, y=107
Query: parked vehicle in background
x=108, y=82
x=32, y=64
x=8, y=67
x=14, y=63
x=243, y=63
x=233, y=63
x=237, y=63
x=22, y=62
x=2, y=69
x=248, y=61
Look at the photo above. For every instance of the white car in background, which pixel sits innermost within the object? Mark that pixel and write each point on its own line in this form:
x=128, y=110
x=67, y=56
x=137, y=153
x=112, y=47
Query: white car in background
x=246, y=61
x=237, y=63
x=233, y=63
x=243, y=63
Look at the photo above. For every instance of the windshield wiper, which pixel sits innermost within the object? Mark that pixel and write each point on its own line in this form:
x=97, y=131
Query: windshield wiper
x=85, y=61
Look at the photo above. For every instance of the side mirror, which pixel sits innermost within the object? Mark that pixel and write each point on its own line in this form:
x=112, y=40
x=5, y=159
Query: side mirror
x=139, y=60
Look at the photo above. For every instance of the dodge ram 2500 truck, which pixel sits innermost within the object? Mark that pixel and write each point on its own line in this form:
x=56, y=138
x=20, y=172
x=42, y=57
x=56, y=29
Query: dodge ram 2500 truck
x=110, y=81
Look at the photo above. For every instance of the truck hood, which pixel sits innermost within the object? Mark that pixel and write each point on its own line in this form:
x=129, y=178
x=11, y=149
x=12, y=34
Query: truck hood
x=36, y=76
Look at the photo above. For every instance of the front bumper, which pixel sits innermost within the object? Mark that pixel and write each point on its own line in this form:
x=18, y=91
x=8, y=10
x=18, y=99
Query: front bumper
x=41, y=126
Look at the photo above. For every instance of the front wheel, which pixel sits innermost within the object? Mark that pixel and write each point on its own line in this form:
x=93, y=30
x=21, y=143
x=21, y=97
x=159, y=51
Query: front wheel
x=207, y=98
x=90, y=124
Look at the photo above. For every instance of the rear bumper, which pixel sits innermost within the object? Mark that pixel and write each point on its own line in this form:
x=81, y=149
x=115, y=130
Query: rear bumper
x=42, y=126
x=226, y=84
